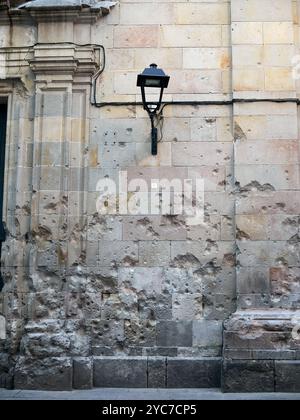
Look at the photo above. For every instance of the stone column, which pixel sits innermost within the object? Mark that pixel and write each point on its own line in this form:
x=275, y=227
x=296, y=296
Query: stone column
x=47, y=248
x=17, y=90
x=261, y=351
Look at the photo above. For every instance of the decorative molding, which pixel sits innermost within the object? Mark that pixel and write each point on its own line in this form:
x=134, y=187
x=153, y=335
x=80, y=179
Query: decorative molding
x=79, y=11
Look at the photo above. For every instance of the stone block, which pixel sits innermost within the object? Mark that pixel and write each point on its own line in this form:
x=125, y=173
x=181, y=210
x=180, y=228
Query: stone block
x=195, y=81
x=170, y=58
x=253, y=280
x=114, y=253
x=140, y=333
x=82, y=373
x=267, y=178
x=50, y=374
x=157, y=372
x=269, y=10
x=159, y=228
x=187, y=307
x=191, y=36
x=287, y=376
x=147, y=280
x=140, y=36
x=204, y=153
x=279, y=79
x=267, y=152
x=247, y=33
x=202, y=14
x=278, y=32
x=207, y=333
x=154, y=254
x=248, y=79
x=130, y=14
x=120, y=372
x=174, y=333
x=194, y=373
x=105, y=333
x=248, y=376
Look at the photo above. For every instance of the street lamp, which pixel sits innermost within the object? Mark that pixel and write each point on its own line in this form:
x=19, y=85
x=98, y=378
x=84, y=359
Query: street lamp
x=153, y=77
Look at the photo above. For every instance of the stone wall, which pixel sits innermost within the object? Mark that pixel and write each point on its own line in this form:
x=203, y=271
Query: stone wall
x=140, y=300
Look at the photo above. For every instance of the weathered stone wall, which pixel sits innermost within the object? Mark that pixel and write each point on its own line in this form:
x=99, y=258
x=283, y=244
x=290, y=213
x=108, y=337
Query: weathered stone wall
x=141, y=300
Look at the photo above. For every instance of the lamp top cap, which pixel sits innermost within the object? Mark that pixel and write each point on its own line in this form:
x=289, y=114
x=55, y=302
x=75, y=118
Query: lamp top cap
x=153, y=73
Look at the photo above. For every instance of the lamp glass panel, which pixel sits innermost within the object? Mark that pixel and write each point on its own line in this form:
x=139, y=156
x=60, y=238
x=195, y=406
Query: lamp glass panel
x=152, y=83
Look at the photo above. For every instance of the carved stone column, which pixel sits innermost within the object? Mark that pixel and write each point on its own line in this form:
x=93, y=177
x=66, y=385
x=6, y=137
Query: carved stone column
x=56, y=79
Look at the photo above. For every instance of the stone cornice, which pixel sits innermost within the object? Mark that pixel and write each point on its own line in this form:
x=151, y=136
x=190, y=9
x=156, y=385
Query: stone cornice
x=83, y=11
x=64, y=60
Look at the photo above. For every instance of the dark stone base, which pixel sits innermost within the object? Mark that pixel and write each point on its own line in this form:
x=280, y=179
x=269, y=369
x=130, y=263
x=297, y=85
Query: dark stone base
x=287, y=376
x=261, y=376
x=194, y=373
x=248, y=376
x=114, y=372
x=65, y=374
x=261, y=352
x=50, y=374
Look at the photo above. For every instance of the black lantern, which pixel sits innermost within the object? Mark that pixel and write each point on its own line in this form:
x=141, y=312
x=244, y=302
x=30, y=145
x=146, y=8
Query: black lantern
x=153, y=77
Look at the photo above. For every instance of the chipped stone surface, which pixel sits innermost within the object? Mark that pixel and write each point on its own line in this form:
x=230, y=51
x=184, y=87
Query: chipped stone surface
x=149, y=296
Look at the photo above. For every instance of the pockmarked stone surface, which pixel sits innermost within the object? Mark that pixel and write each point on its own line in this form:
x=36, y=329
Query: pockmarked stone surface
x=127, y=289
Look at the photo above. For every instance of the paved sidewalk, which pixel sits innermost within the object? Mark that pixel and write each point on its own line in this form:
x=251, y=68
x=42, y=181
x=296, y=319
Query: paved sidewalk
x=140, y=394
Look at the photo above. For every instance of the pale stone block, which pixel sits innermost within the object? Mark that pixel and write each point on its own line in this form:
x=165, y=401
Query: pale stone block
x=269, y=127
x=114, y=253
x=187, y=307
x=269, y=202
x=102, y=34
x=148, y=280
x=283, y=227
x=253, y=227
x=247, y=55
x=272, y=253
x=147, y=14
x=278, y=32
x=247, y=33
x=268, y=152
x=193, y=254
x=51, y=128
x=256, y=10
x=214, y=176
x=206, y=58
x=278, y=55
x=248, y=79
x=265, y=108
x=165, y=57
x=279, y=79
x=152, y=228
x=154, y=254
x=267, y=177
x=204, y=153
x=55, y=31
x=176, y=129
x=120, y=59
x=204, y=129
x=191, y=36
x=136, y=36
x=202, y=13
x=163, y=158
x=210, y=229
x=195, y=81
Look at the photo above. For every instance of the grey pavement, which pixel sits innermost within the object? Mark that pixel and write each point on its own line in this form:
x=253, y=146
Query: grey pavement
x=141, y=394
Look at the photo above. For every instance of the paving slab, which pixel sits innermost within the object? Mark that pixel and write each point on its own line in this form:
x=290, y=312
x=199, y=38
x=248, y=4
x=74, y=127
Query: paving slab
x=102, y=394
